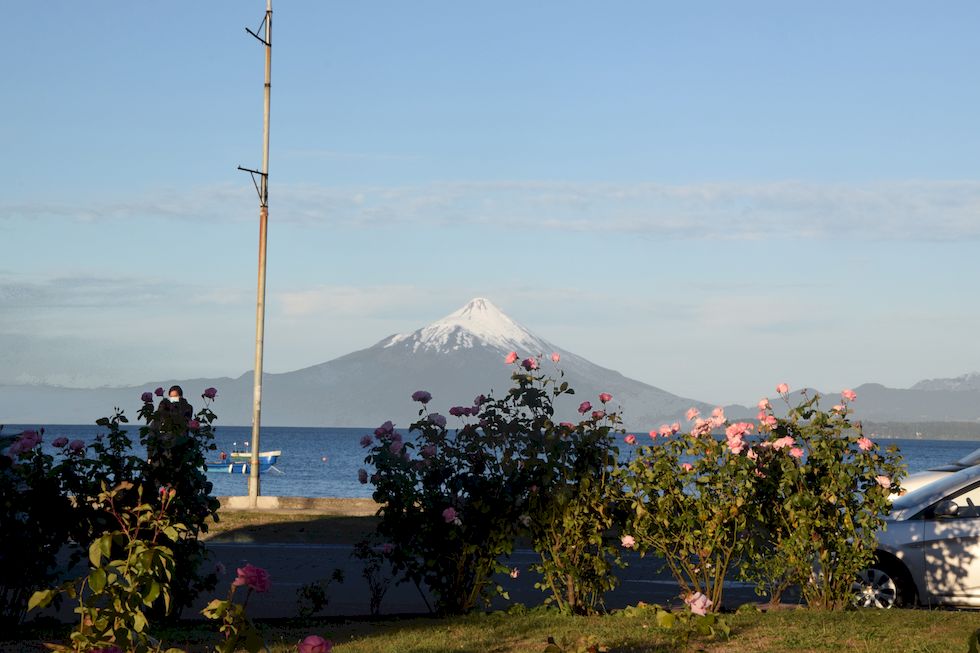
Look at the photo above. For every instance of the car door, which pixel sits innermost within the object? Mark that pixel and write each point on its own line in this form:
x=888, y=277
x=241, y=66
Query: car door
x=951, y=548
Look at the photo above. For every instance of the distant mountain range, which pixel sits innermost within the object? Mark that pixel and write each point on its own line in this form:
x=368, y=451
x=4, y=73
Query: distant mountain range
x=455, y=358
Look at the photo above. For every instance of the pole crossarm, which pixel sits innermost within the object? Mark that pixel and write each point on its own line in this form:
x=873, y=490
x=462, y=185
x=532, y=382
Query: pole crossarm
x=262, y=188
x=262, y=29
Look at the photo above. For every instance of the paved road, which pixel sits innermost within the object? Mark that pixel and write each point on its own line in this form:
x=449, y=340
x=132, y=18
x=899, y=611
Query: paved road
x=293, y=565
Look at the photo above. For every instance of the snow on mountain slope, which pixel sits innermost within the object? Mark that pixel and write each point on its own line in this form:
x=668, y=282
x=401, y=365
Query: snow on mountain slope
x=479, y=323
x=966, y=382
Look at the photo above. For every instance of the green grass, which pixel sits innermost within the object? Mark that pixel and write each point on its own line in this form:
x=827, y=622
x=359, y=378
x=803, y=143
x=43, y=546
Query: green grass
x=906, y=631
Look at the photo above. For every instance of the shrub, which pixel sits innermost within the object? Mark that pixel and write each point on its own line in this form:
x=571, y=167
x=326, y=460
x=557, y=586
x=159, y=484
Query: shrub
x=824, y=488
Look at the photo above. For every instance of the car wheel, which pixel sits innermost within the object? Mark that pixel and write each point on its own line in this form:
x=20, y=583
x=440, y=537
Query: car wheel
x=879, y=586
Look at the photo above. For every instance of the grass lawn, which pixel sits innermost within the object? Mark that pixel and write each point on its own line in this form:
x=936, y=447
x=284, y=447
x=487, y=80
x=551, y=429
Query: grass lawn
x=906, y=631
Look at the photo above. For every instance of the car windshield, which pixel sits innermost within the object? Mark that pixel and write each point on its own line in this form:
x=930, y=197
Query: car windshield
x=932, y=492
x=969, y=460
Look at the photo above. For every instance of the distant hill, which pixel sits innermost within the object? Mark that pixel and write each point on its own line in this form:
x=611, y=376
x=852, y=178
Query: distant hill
x=455, y=358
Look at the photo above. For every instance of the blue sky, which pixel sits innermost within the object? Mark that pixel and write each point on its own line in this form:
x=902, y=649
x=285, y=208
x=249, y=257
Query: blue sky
x=711, y=197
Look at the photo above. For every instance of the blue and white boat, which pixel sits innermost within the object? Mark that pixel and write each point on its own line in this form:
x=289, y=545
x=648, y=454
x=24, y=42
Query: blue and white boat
x=240, y=462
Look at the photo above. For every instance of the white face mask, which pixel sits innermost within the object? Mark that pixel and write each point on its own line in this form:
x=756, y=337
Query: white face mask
x=174, y=399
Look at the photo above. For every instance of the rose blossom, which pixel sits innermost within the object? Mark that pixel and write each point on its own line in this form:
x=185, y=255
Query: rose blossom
x=691, y=414
x=255, y=577
x=366, y=441
x=848, y=395
x=605, y=397
x=421, y=396
x=630, y=439
x=783, y=443
x=687, y=467
x=764, y=404
x=883, y=481
x=628, y=541
x=147, y=397
x=699, y=603
x=511, y=358
x=193, y=424
x=555, y=357
x=395, y=447
x=796, y=452
x=76, y=445
x=584, y=407
x=210, y=393
x=158, y=392
x=598, y=414
x=314, y=644
x=530, y=364
x=438, y=420
x=782, y=388
x=515, y=572
x=59, y=442
x=864, y=444
x=449, y=514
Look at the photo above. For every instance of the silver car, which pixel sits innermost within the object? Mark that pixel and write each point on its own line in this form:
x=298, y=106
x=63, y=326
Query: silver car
x=929, y=551
x=919, y=479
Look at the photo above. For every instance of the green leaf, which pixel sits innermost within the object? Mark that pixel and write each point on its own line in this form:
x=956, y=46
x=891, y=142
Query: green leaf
x=97, y=580
x=40, y=599
x=139, y=621
x=665, y=620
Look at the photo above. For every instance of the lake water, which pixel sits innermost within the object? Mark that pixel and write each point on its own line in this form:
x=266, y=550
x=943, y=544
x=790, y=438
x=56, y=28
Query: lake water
x=323, y=462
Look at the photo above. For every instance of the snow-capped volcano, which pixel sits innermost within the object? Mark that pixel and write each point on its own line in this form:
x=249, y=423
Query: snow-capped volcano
x=479, y=323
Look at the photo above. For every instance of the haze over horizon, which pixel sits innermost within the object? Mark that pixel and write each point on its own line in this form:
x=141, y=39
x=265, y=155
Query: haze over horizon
x=711, y=199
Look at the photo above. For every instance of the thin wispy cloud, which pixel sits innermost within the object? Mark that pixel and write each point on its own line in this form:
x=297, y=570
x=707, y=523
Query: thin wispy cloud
x=896, y=211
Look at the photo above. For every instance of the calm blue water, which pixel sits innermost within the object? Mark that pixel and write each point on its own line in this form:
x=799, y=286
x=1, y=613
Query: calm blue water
x=323, y=462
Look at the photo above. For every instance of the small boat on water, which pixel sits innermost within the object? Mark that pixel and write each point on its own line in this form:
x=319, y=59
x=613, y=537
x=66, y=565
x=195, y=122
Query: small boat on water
x=240, y=462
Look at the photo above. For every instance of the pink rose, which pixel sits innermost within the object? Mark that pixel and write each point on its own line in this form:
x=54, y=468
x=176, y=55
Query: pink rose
x=838, y=408
x=675, y=427
x=628, y=541
x=630, y=439
x=366, y=441
x=883, y=481
x=687, y=467
x=764, y=404
x=76, y=446
x=584, y=407
x=604, y=397
x=848, y=395
x=530, y=364
x=193, y=424
x=147, y=397
x=421, y=396
x=796, y=452
x=864, y=444
x=255, y=577
x=511, y=358
x=783, y=443
x=314, y=644
x=782, y=388
x=395, y=447
x=555, y=357
x=428, y=451
x=438, y=420
x=598, y=414
x=210, y=393
x=664, y=432
x=568, y=425
x=449, y=514
x=515, y=572
x=158, y=392
x=59, y=442
x=699, y=603
x=691, y=414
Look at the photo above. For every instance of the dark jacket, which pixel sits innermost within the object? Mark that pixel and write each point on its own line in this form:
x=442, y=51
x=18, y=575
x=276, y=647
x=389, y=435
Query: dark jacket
x=171, y=414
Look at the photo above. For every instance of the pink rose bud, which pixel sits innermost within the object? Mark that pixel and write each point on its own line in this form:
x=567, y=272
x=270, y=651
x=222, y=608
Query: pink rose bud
x=630, y=439
x=628, y=541
x=848, y=395
x=864, y=444
x=511, y=358
x=158, y=392
x=59, y=442
x=76, y=445
x=605, y=397
x=210, y=393
x=584, y=407
x=691, y=414
x=782, y=388
x=555, y=357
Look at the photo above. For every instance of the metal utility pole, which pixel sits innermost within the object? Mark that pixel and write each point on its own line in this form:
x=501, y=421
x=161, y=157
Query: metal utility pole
x=261, y=180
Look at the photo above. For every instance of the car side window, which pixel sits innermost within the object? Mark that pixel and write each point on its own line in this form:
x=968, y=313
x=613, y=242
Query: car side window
x=967, y=501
